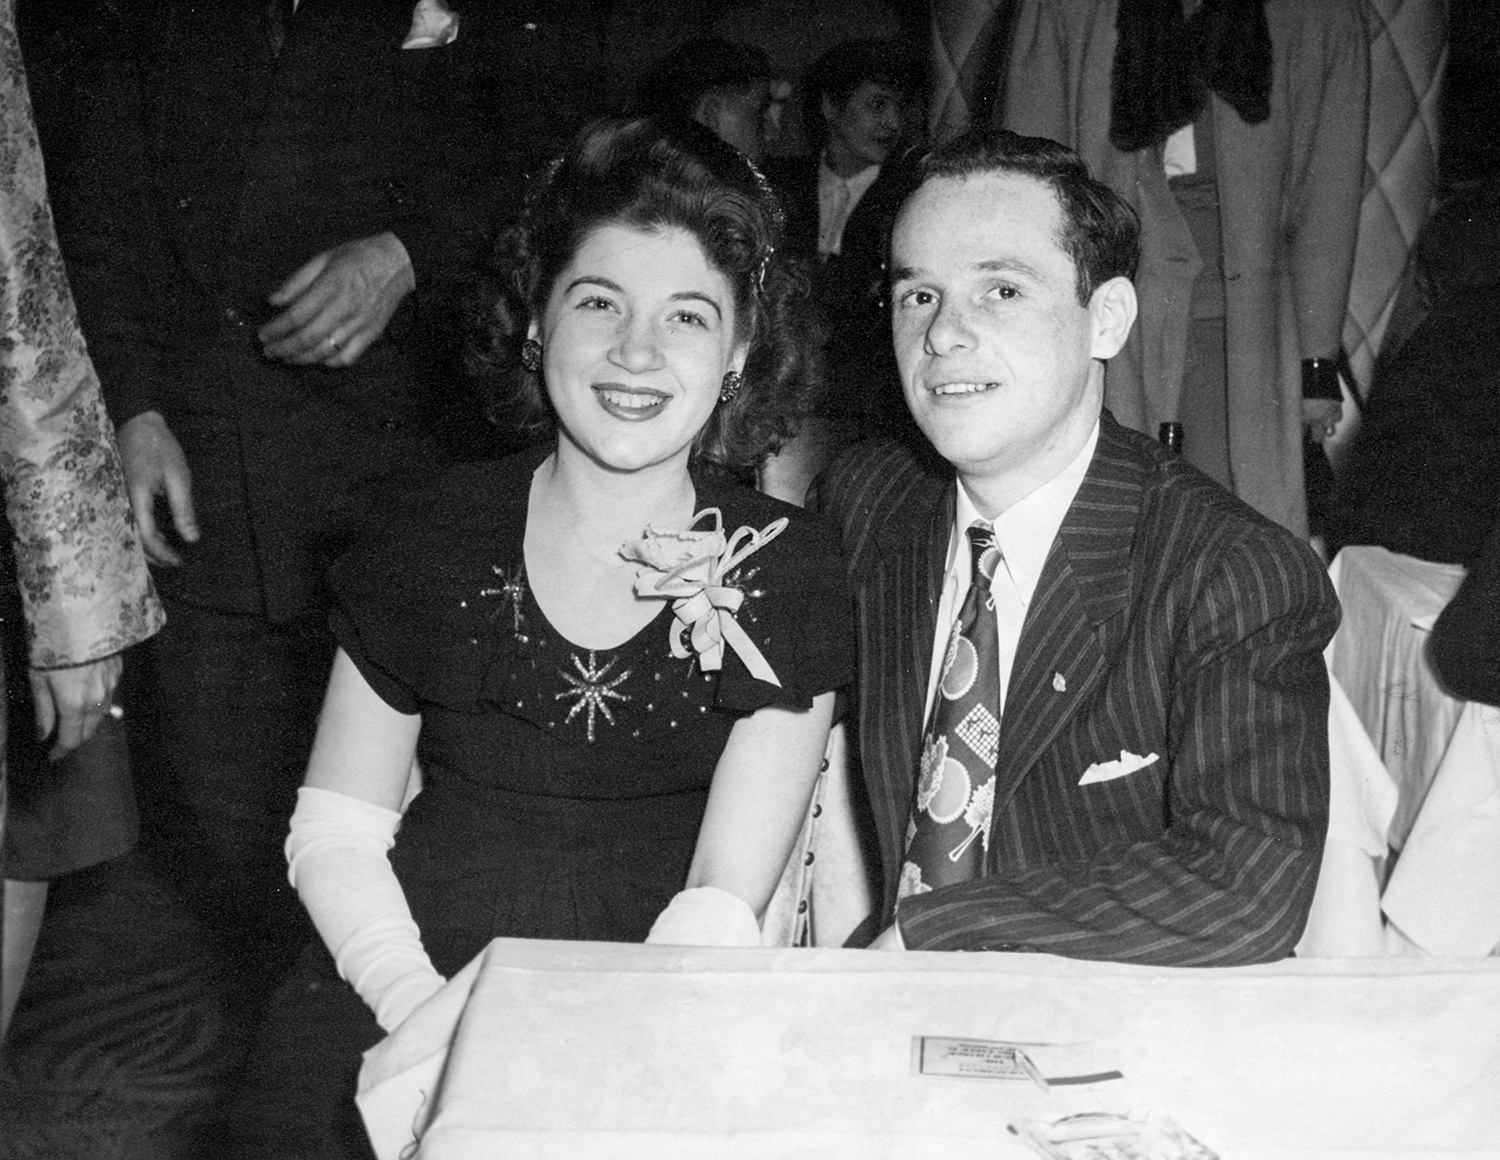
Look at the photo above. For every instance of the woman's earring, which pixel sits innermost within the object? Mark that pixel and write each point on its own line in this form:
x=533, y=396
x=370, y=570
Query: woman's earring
x=531, y=355
x=733, y=381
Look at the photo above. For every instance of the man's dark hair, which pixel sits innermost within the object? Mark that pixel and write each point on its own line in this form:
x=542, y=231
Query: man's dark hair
x=843, y=68
x=1100, y=230
x=695, y=68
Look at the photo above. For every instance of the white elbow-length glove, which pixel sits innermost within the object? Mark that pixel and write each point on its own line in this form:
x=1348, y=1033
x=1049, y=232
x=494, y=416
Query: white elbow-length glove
x=336, y=858
x=705, y=916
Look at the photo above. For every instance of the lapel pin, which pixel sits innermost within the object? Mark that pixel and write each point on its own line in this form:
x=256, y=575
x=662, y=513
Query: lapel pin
x=1058, y=683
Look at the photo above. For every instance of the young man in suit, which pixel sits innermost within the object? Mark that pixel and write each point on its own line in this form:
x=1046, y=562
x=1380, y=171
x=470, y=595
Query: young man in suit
x=1092, y=706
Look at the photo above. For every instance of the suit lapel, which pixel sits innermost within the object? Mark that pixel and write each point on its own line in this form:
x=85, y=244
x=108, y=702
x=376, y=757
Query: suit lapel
x=1066, y=640
x=898, y=632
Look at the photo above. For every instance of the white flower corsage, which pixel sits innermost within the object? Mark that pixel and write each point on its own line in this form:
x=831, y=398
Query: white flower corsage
x=689, y=568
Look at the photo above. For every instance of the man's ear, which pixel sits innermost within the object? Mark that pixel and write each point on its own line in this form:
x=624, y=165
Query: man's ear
x=1112, y=311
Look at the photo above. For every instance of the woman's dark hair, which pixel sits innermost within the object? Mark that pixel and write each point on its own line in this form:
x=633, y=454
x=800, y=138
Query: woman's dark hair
x=846, y=66
x=651, y=175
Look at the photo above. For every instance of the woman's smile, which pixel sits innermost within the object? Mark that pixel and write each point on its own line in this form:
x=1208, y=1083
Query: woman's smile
x=633, y=404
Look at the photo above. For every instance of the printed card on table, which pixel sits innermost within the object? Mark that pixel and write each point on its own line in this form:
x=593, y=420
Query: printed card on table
x=1044, y=1064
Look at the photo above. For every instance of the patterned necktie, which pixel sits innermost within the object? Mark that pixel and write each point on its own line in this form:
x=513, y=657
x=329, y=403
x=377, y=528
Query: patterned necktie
x=949, y=830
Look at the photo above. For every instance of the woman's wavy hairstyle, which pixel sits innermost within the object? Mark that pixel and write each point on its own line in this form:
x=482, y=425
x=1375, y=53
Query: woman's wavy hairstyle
x=652, y=175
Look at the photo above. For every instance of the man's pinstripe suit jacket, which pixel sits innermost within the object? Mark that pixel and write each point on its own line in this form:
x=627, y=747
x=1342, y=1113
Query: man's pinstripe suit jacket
x=1170, y=618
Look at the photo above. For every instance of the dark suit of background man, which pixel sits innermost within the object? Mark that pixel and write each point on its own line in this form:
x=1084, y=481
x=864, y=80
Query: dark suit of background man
x=255, y=197
x=1161, y=785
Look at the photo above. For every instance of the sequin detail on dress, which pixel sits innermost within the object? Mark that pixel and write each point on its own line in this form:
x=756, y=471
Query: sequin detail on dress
x=512, y=589
x=592, y=691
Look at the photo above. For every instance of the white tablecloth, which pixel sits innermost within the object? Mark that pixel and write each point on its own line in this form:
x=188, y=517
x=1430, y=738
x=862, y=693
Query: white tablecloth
x=1345, y=919
x=584, y=1050
x=1444, y=754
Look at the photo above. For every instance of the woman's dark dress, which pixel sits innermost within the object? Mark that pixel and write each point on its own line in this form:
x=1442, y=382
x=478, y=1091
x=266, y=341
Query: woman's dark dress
x=563, y=787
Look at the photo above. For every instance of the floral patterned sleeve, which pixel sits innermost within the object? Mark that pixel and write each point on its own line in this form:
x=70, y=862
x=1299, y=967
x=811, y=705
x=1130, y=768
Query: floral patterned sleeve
x=83, y=578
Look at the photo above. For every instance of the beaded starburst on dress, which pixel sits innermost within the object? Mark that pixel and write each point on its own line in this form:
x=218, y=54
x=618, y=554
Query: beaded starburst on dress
x=592, y=691
x=511, y=590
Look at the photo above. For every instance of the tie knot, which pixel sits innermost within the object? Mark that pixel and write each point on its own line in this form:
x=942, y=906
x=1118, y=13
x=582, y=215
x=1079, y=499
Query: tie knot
x=985, y=552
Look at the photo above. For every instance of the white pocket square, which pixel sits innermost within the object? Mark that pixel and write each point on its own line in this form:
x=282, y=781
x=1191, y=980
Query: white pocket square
x=1109, y=770
x=433, y=24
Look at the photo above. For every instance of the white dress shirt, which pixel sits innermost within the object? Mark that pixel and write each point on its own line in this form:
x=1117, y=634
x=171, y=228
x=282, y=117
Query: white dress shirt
x=1179, y=154
x=1024, y=533
x=837, y=197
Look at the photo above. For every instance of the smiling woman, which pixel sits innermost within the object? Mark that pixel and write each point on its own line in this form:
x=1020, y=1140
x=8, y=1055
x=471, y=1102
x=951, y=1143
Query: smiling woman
x=638, y=334
x=630, y=175
x=607, y=751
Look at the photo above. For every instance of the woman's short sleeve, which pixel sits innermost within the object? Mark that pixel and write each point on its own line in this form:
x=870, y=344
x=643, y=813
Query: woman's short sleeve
x=401, y=600
x=372, y=619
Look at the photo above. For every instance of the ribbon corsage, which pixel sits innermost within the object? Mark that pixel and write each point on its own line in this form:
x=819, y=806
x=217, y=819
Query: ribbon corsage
x=689, y=568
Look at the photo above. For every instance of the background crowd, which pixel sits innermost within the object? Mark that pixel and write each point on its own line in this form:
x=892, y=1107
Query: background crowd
x=278, y=223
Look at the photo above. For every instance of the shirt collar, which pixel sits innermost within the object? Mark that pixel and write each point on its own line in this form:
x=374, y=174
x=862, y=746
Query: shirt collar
x=1025, y=530
x=856, y=184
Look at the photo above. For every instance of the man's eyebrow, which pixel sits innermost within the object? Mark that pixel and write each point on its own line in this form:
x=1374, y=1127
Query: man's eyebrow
x=988, y=266
x=1008, y=266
